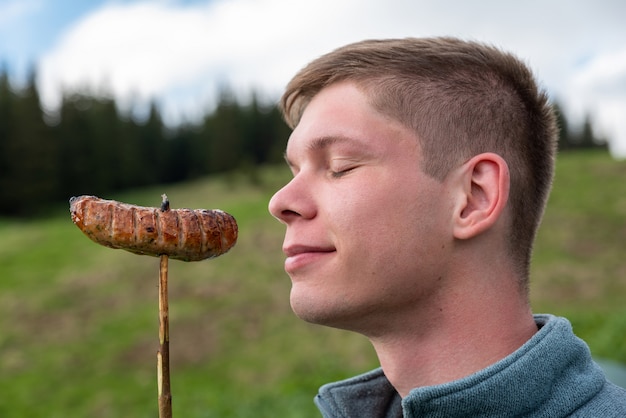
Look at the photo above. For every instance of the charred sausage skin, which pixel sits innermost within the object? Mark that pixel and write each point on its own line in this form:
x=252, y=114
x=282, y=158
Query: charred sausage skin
x=182, y=234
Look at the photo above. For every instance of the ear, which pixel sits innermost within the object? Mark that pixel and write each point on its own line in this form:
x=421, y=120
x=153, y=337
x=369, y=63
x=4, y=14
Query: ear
x=483, y=191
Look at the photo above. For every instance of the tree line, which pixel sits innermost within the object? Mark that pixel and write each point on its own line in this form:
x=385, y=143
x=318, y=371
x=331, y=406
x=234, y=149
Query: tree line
x=93, y=148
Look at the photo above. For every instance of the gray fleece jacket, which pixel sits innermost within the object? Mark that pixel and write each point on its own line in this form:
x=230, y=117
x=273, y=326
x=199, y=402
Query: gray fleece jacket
x=552, y=375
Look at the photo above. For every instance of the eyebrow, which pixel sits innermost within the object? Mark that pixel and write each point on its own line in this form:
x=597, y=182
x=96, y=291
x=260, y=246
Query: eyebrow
x=324, y=142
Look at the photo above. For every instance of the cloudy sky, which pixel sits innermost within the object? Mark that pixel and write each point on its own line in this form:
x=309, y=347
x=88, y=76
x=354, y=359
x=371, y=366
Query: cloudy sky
x=180, y=52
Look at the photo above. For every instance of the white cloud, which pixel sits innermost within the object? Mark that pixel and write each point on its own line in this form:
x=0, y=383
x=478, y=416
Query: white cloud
x=599, y=89
x=182, y=54
x=146, y=50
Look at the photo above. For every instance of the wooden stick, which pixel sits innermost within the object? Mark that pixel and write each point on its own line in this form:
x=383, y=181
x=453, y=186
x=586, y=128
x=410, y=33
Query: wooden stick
x=163, y=355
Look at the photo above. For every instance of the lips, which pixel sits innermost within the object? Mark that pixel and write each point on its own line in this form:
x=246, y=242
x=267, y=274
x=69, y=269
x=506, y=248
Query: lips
x=301, y=256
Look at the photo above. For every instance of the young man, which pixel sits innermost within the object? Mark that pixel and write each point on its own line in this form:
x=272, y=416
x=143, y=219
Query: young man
x=421, y=169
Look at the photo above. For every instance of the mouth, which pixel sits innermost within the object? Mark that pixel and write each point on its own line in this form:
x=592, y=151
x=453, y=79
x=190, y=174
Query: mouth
x=299, y=257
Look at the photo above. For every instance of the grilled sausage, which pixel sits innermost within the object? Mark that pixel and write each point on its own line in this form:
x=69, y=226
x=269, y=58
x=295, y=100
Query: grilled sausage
x=182, y=234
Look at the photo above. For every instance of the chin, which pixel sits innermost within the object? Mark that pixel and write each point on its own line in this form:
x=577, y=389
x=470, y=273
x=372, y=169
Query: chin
x=308, y=309
x=328, y=312
x=311, y=308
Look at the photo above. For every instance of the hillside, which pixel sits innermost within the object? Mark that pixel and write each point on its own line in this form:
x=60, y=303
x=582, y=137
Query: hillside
x=579, y=259
x=79, y=328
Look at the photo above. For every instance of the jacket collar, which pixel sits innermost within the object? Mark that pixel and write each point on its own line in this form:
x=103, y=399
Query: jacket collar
x=544, y=375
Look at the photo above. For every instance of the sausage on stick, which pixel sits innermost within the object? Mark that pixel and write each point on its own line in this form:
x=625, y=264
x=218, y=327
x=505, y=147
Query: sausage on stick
x=182, y=234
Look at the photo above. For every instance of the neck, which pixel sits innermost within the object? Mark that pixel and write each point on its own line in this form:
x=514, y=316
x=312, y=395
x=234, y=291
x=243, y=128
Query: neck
x=460, y=334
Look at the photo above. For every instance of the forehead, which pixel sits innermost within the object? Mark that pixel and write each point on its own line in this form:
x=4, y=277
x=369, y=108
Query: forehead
x=342, y=115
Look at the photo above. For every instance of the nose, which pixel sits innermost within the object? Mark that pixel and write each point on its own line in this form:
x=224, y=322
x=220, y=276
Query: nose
x=293, y=201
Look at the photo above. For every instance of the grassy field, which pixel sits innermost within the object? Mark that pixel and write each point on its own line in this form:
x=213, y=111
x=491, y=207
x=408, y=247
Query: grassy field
x=79, y=325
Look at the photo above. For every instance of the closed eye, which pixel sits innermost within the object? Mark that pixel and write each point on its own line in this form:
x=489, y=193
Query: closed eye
x=339, y=166
x=342, y=172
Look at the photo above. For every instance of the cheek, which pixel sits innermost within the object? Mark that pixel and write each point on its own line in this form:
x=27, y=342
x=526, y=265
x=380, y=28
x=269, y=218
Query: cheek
x=367, y=226
x=406, y=224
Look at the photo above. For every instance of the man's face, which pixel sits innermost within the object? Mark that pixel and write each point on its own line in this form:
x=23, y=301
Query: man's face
x=367, y=232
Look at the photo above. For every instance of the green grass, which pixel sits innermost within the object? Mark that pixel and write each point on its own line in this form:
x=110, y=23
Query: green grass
x=79, y=324
x=579, y=266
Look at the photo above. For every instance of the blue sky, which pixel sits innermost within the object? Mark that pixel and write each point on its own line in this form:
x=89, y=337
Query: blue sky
x=179, y=52
x=30, y=27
